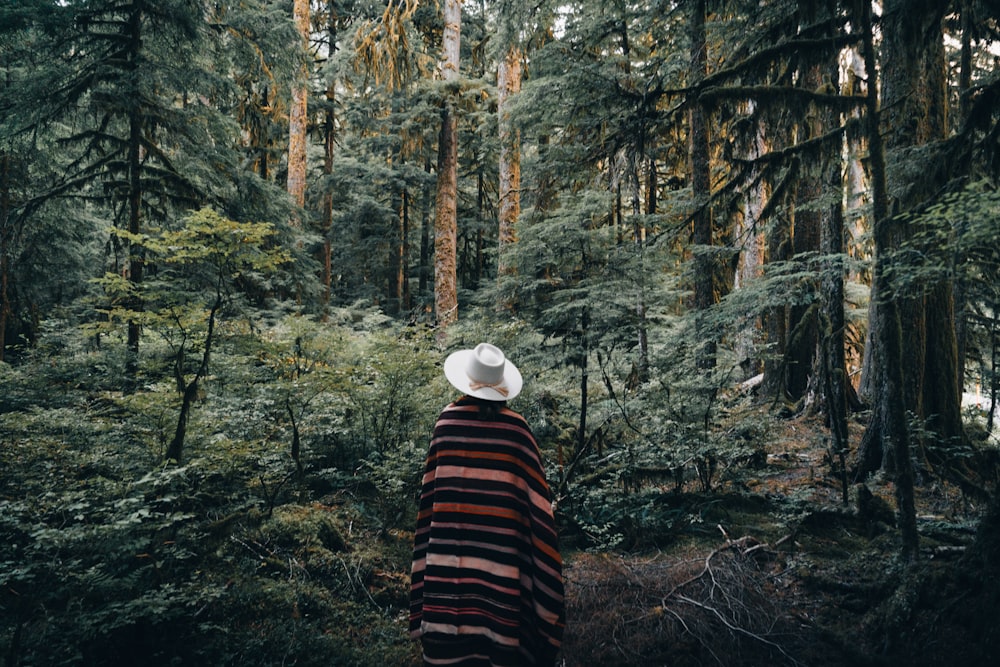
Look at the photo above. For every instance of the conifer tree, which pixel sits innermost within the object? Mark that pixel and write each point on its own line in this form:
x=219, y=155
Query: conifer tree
x=915, y=112
x=889, y=420
x=135, y=82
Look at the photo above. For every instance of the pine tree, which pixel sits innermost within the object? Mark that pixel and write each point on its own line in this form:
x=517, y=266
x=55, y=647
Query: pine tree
x=141, y=124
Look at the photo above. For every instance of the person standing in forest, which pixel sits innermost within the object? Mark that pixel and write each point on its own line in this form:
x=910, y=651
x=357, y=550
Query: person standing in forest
x=486, y=582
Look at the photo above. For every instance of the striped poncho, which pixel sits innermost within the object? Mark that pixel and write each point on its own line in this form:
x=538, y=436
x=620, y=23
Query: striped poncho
x=486, y=564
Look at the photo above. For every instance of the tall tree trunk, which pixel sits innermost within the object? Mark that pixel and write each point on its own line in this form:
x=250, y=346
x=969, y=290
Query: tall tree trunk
x=634, y=162
x=134, y=158
x=329, y=153
x=508, y=83
x=394, y=264
x=405, y=298
x=753, y=251
x=773, y=385
x=803, y=325
x=964, y=89
x=916, y=113
x=297, y=114
x=832, y=357
x=5, y=308
x=704, y=287
x=446, y=201
x=941, y=391
x=426, y=226
x=584, y=363
x=889, y=416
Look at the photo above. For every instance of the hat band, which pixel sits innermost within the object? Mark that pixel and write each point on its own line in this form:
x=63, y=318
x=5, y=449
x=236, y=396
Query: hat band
x=475, y=385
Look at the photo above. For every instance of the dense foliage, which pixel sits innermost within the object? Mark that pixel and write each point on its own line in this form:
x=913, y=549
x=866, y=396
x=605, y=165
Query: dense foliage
x=729, y=218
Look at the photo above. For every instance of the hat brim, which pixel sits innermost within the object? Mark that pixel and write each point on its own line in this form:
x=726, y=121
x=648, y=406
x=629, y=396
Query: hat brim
x=454, y=370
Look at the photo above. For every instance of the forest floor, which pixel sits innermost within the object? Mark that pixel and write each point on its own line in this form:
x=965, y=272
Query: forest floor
x=777, y=570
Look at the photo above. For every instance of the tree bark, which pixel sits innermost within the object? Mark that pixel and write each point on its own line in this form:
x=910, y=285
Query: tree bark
x=405, y=298
x=426, y=227
x=889, y=417
x=394, y=261
x=5, y=309
x=508, y=83
x=446, y=201
x=916, y=113
x=134, y=160
x=832, y=354
x=329, y=152
x=806, y=234
x=701, y=237
x=297, y=114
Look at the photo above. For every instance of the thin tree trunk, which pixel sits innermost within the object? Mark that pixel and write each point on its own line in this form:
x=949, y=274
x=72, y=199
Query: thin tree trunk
x=426, y=225
x=176, y=448
x=833, y=371
x=508, y=83
x=405, y=298
x=135, y=262
x=964, y=88
x=5, y=308
x=581, y=435
x=329, y=152
x=775, y=318
x=704, y=287
x=394, y=267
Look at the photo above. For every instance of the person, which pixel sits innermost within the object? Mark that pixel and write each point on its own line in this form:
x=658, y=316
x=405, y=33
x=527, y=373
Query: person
x=486, y=581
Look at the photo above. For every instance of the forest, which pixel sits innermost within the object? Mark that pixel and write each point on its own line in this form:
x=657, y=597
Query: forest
x=746, y=254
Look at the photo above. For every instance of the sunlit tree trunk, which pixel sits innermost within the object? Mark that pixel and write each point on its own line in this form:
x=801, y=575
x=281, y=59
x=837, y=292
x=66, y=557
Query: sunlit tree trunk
x=446, y=201
x=752, y=251
x=297, y=114
x=508, y=83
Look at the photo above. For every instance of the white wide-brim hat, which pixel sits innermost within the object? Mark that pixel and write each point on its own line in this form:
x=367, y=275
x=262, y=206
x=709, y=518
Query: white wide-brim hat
x=483, y=372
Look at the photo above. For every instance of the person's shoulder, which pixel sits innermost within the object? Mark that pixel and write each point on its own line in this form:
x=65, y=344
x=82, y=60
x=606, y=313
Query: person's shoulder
x=512, y=414
x=514, y=417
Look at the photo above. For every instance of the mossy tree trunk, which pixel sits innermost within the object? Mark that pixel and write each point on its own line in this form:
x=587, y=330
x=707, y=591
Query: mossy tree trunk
x=701, y=184
x=889, y=415
x=446, y=201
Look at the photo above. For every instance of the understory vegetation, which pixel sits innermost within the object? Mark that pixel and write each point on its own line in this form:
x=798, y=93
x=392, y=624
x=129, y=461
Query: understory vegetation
x=283, y=535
